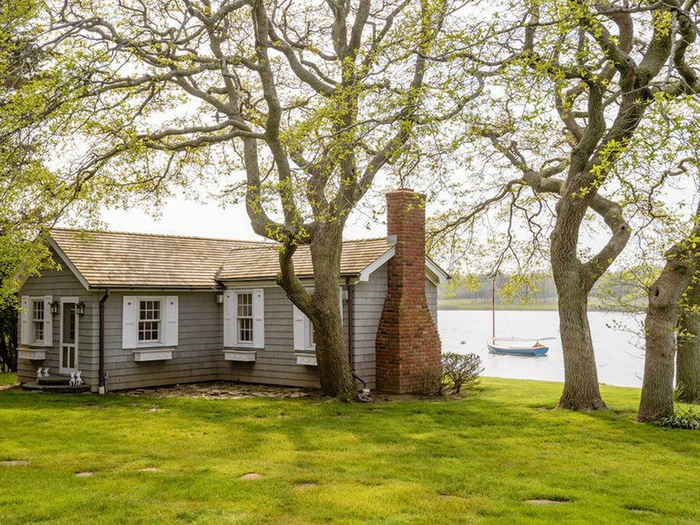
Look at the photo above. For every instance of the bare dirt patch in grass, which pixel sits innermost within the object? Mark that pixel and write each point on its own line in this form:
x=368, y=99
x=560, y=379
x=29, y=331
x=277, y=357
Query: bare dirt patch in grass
x=14, y=463
x=640, y=510
x=251, y=476
x=544, y=501
x=85, y=474
x=150, y=469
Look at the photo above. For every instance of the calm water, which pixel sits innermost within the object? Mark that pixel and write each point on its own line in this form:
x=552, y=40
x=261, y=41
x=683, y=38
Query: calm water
x=619, y=358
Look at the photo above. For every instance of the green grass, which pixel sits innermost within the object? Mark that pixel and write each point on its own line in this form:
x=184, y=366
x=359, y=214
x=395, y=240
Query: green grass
x=408, y=462
x=7, y=379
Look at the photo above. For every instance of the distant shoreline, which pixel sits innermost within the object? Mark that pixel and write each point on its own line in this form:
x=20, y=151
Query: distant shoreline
x=462, y=304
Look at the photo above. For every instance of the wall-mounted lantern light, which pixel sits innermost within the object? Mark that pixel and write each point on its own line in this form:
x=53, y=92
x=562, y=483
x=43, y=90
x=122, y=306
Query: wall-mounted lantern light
x=55, y=307
x=219, y=298
x=81, y=308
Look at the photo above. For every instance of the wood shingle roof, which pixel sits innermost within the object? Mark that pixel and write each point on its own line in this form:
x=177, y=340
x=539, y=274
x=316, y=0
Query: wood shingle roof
x=134, y=260
x=262, y=262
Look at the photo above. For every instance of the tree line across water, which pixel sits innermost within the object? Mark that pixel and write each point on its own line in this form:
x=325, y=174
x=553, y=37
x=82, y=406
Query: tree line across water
x=615, y=292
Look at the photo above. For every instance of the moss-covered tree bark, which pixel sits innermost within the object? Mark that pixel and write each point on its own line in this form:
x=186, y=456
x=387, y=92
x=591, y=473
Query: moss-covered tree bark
x=688, y=345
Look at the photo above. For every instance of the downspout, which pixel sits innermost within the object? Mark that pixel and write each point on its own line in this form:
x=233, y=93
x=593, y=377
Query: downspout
x=351, y=333
x=102, y=374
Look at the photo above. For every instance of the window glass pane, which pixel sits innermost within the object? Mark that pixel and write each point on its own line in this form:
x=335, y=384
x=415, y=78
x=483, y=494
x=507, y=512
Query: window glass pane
x=69, y=323
x=245, y=305
x=37, y=320
x=244, y=316
x=38, y=311
x=149, y=320
x=245, y=330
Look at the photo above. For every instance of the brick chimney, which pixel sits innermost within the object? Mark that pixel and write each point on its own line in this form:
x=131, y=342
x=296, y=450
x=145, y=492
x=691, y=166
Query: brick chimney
x=408, y=343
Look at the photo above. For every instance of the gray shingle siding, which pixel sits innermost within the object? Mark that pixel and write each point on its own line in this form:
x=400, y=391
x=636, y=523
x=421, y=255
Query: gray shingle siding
x=276, y=364
x=199, y=355
x=62, y=283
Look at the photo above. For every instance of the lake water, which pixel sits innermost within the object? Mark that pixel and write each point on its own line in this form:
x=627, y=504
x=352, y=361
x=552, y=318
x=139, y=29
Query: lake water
x=619, y=358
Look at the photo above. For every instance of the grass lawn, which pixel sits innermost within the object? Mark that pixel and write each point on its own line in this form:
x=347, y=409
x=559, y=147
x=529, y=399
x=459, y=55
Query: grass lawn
x=409, y=462
x=7, y=379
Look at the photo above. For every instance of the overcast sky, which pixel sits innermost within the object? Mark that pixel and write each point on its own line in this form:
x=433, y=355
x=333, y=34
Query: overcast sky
x=186, y=217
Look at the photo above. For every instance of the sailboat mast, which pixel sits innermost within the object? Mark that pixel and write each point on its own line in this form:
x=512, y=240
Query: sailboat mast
x=493, y=306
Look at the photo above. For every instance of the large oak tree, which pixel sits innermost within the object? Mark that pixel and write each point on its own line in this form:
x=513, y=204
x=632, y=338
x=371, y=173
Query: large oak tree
x=310, y=100
x=569, y=85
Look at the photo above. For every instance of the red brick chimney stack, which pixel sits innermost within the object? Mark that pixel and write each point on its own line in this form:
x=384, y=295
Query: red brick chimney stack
x=408, y=343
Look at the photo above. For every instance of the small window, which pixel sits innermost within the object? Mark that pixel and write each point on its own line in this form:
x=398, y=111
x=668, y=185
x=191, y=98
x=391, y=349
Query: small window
x=149, y=321
x=38, y=321
x=310, y=334
x=244, y=318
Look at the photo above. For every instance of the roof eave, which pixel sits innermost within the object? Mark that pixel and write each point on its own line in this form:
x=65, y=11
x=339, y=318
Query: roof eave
x=57, y=248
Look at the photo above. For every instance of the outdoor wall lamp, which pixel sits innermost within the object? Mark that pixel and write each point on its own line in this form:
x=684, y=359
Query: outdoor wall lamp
x=55, y=307
x=81, y=308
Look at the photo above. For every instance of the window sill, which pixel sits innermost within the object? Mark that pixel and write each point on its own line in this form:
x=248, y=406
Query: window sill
x=153, y=354
x=31, y=354
x=246, y=356
x=306, y=358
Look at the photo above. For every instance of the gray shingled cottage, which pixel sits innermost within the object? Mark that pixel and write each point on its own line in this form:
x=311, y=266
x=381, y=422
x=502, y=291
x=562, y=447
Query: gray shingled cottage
x=133, y=310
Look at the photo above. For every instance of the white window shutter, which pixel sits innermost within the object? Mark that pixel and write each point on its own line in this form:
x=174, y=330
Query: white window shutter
x=229, y=309
x=25, y=338
x=299, y=332
x=129, y=314
x=258, y=318
x=48, y=321
x=171, y=320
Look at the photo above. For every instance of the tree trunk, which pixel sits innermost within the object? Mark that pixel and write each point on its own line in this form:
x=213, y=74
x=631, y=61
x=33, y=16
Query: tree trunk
x=331, y=351
x=323, y=309
x=660, y=330
x=688, y=353
x=581, y=390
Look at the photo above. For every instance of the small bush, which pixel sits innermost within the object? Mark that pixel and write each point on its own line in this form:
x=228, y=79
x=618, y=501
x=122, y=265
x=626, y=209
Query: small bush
x=431, y=382
x=461, y=371
x=685, y=419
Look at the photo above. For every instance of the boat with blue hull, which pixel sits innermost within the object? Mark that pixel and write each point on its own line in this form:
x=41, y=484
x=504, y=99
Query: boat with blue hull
x=515, y=346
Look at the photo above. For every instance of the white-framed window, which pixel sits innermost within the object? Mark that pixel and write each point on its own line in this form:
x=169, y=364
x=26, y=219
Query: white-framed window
x=304, y=333
x=244, y=318
x=36, y=321
x=150, y=321
x=149, y=329
x=38, y=317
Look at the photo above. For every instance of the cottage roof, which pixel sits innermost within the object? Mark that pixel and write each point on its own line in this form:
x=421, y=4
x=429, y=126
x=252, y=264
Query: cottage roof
x=134, y=260
x=262, y=261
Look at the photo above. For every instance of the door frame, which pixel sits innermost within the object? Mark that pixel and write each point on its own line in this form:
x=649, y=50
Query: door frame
x=61, y=368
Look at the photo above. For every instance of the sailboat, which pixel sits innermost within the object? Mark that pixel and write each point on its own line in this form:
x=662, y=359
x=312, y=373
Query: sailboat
x=513, y=346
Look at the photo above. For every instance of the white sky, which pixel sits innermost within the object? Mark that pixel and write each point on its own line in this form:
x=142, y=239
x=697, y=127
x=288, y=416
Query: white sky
x=180, y=216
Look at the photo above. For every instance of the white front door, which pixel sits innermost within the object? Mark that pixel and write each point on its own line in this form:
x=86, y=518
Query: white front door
x=69, y=336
